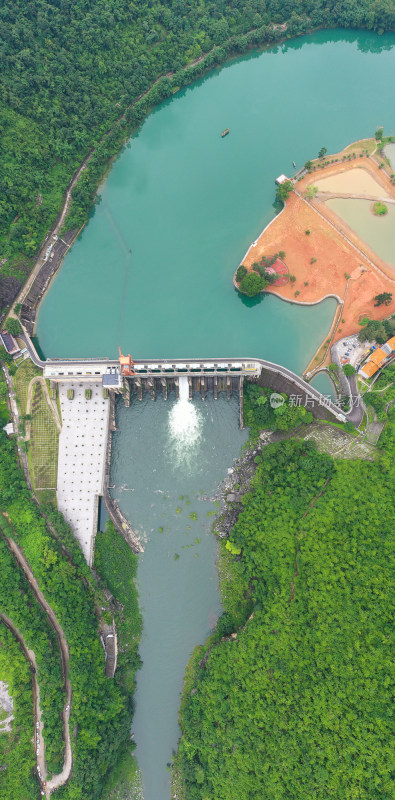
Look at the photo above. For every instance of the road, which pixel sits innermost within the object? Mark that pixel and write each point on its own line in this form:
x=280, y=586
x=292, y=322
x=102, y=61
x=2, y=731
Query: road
x=301, y=384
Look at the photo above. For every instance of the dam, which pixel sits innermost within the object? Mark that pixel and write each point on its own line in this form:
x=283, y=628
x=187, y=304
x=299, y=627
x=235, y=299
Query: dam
x=87, y=390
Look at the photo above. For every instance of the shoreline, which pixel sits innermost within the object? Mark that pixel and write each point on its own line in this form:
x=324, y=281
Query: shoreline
x=332, y=260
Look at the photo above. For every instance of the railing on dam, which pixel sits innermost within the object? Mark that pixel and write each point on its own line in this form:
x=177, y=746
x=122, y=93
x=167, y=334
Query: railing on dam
x=146, y=370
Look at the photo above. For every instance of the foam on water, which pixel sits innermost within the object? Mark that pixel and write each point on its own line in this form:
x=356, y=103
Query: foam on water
x=185, y=426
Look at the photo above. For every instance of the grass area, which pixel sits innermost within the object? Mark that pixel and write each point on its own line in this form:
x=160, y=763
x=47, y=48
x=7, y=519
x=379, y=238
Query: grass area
x=360, y=146
x=342, y=425
x=47, y=496
x=363, y=424
x=43, y=445
x=22, y=378
x=42, y=449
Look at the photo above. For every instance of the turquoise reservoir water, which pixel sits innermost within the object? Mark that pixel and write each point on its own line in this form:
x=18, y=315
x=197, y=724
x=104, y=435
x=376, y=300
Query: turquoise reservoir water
x=152, y=269
x=323, y=383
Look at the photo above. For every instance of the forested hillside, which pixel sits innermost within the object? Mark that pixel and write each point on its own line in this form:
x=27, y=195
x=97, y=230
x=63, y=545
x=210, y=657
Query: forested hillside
x=293, y=697
x=71, y=70
x=101, y=708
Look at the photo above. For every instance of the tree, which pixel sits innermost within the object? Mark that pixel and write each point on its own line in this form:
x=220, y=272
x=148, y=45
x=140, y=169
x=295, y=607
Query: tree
x=241, y=273
x=311, y=192
x=13, y=326
x=283, y=190
x=308, y=165
x=349, y=370
x=374, y=330
x=384, y=298
x=6, y=357
x=379, y=134
x=333, y=367
x=322, y=152
x=252, y=284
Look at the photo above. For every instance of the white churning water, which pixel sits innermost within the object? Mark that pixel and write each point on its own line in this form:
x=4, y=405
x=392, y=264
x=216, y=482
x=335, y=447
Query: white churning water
x=185, y=425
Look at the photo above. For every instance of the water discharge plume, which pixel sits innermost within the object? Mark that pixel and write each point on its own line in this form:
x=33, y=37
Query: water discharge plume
x=185, y=426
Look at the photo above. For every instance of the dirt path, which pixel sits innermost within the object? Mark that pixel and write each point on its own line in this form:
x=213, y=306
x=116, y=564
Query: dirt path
x=62, y=777
x=51, y=404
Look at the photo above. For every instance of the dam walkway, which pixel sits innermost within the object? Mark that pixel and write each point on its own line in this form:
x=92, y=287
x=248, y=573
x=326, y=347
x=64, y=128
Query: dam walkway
x=149, y=374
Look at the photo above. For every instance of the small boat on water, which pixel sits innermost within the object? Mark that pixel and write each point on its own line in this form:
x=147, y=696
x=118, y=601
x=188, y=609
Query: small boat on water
x=294, y=165
x=225, y=132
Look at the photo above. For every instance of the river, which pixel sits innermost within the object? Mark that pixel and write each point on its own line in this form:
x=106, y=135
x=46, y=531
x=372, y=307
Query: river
x=169, y=457
x=152, y=272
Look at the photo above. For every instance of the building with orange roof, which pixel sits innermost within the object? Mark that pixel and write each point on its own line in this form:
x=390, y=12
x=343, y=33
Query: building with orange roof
x=368, y=369
x=378, y=356
x=389, y=346
x=377, y=359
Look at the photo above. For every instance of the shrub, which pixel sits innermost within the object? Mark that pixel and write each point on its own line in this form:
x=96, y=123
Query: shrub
x=349, y=370
x=379, y=209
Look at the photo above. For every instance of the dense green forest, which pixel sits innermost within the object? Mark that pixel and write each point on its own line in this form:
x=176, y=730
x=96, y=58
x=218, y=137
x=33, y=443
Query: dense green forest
x=18, y=603
x=117, y=567
x=72, y=72
x=101, y=707
x=16, y=750
x=291, y=697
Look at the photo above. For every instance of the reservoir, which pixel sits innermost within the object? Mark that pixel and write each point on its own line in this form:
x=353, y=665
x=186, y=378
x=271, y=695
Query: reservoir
x=152, y=272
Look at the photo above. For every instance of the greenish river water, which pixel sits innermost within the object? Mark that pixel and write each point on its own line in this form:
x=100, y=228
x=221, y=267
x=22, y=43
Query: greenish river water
x=378, y=232
x=152, y=272
x=168, y=457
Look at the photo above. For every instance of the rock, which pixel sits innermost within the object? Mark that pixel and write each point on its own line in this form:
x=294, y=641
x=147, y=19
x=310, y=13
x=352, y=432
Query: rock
x=230, y=497
x=230, y=471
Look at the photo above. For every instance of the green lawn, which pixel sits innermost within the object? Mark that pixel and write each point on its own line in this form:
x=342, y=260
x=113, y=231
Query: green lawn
x=22, y=378
x=43, y=445
x=42, y=448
